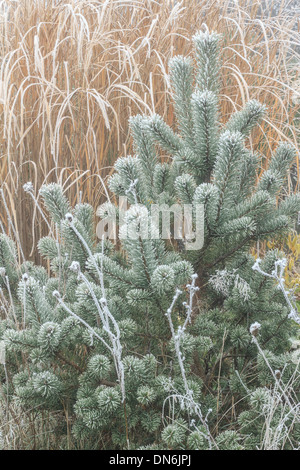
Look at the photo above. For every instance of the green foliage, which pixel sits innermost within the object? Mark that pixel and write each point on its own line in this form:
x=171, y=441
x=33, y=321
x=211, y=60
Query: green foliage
x=92, y=338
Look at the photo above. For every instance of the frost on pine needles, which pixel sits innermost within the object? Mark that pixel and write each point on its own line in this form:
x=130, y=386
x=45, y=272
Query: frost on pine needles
x=145, y=343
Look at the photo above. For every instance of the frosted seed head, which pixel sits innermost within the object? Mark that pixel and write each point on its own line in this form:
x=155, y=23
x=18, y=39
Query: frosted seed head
x=277, y=373
x=28, y=187
x=256, y=266
x=254, y=328
x=69, y=217
x=75, y=267
x=56, y=294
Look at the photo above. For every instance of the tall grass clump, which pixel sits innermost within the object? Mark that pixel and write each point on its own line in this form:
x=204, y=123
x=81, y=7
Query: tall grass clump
x=72, y=73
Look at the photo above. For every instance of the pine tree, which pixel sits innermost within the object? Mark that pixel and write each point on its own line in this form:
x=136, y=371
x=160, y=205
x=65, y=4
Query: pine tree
x=148, y=346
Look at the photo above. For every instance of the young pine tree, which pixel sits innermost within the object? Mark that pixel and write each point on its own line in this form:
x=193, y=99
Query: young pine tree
x=113, y=336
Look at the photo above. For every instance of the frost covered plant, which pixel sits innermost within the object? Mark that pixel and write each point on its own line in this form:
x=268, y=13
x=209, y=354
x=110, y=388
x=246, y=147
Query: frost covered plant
x=254, y=329
x=222, y=281
x=187, y=400
x=100, y=337
x=277, y=407
x=278, y=275
x=282, y=401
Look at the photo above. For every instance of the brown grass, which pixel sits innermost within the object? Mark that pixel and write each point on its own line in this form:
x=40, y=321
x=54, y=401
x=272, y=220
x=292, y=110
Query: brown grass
x=73, y=72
